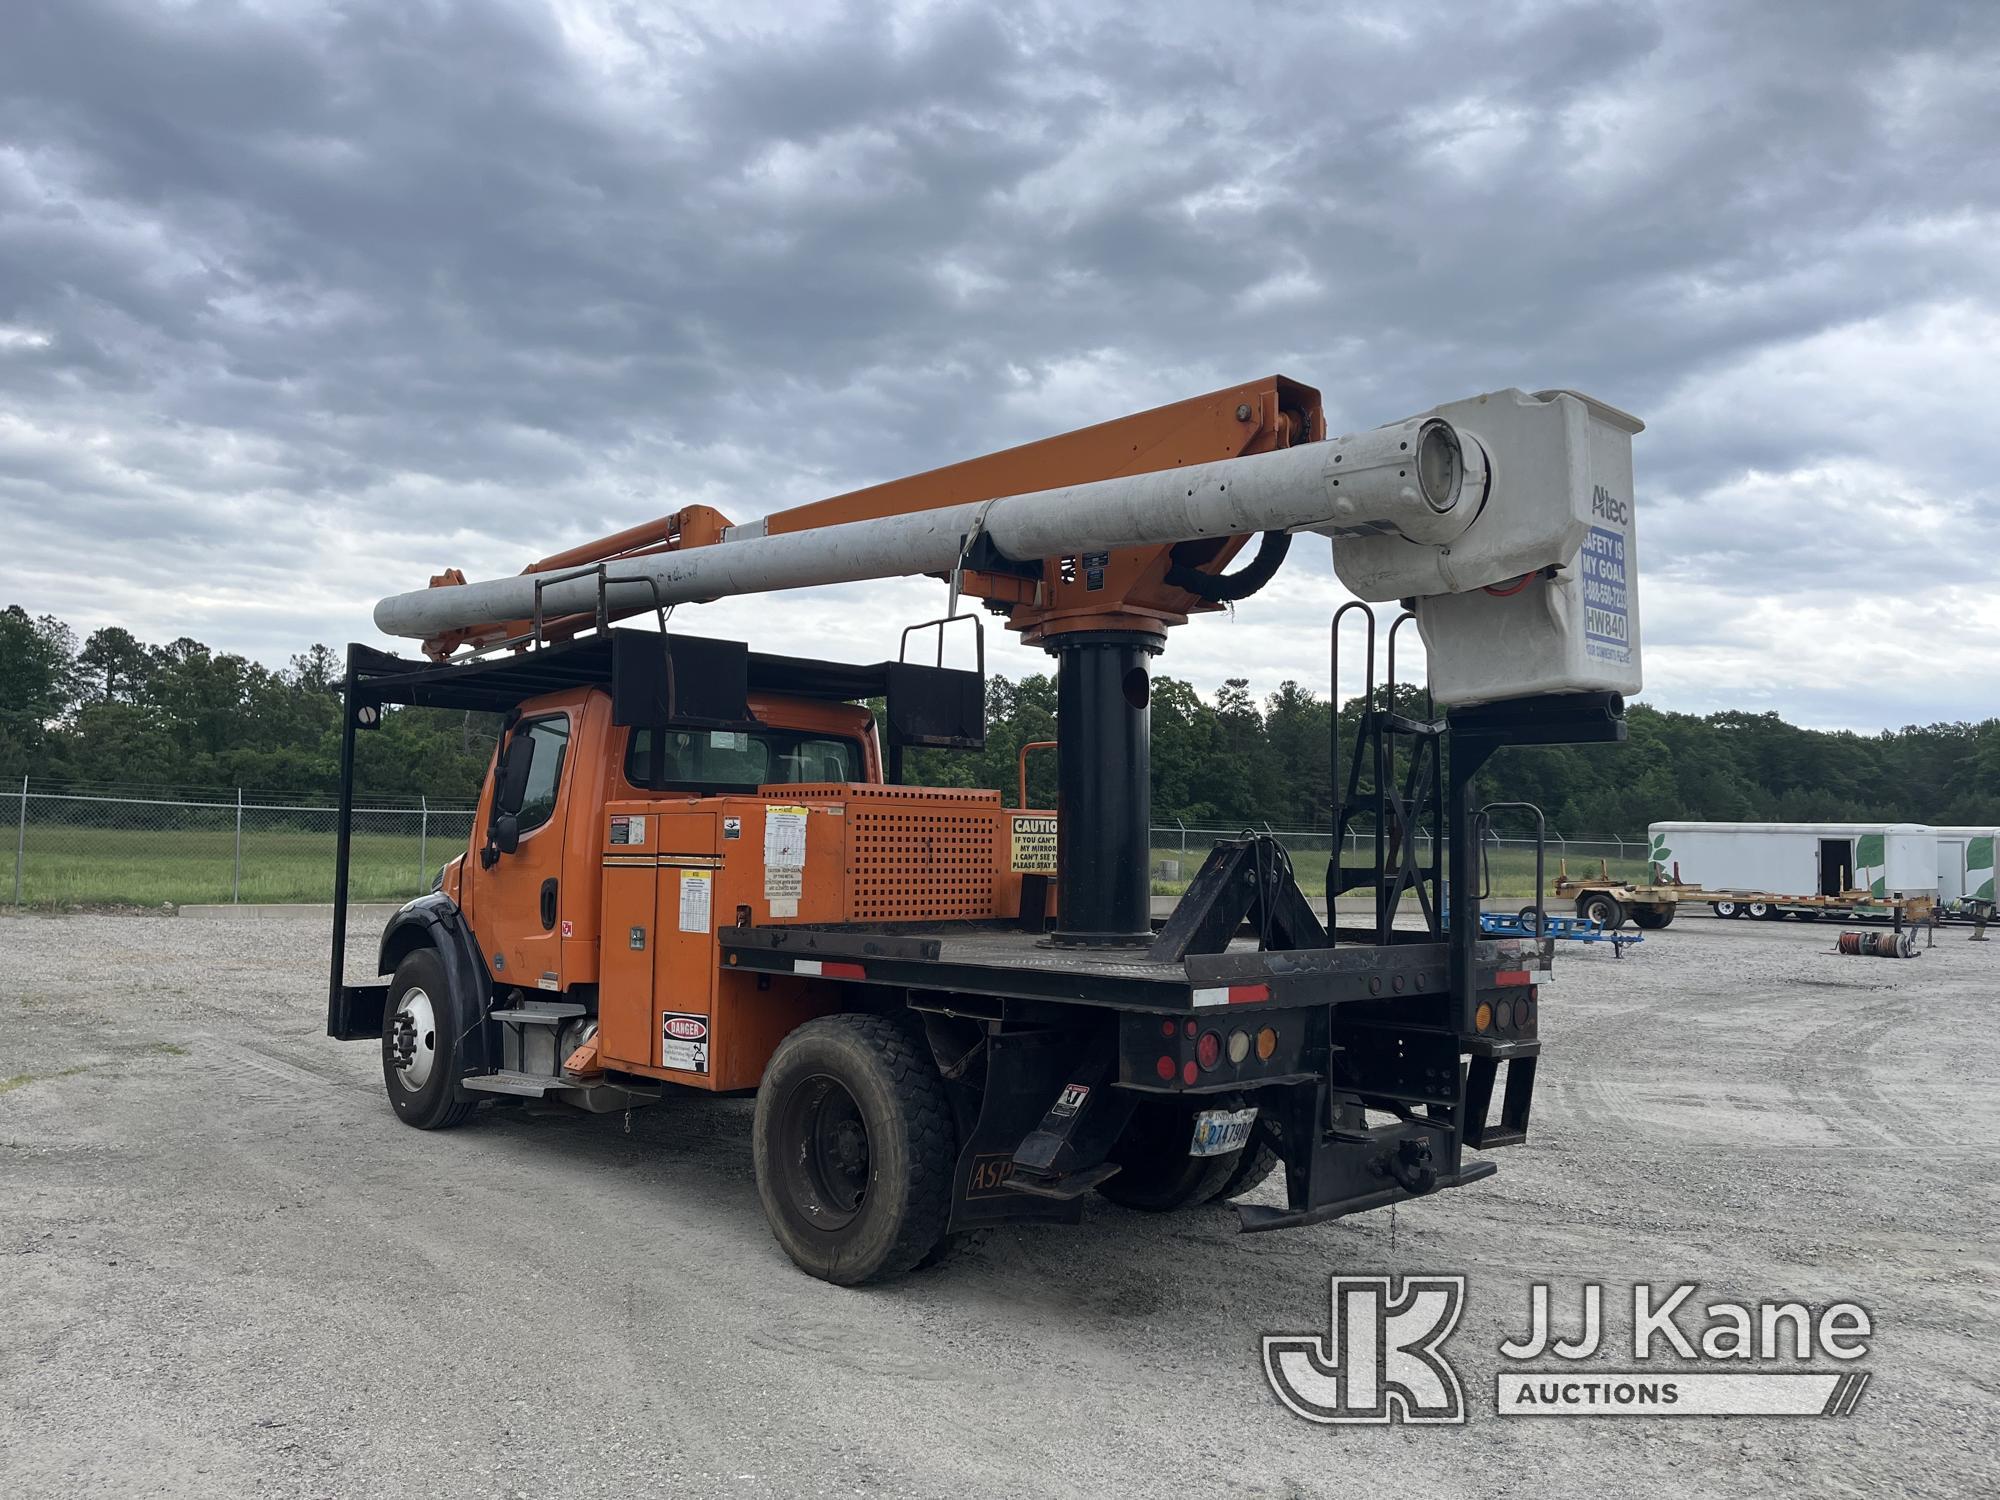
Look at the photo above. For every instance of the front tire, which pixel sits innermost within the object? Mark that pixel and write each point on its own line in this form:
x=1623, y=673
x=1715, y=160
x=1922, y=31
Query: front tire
x=421, y=1025
x=854, y=1148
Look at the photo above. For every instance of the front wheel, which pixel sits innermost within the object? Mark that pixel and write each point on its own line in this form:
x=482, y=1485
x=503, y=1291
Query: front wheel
x=854, y=1148
x=1725, y=908
x=420, y=1031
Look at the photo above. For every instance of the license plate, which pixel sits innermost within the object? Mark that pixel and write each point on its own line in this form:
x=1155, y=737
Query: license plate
x=1217, y=1132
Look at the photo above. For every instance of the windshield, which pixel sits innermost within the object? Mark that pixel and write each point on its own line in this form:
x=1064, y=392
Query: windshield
x=737, y=759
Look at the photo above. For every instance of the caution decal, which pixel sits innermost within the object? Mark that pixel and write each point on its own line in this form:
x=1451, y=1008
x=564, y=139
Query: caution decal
x=1034, y=844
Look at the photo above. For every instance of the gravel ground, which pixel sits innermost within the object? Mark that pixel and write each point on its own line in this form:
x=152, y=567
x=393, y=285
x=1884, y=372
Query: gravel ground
x=228, y=1270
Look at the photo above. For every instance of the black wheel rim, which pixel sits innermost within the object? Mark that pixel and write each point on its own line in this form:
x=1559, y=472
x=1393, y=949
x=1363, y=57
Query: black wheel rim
x=825, y=1152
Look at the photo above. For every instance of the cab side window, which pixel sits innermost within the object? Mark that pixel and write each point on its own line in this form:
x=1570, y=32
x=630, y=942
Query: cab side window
x=546, y=741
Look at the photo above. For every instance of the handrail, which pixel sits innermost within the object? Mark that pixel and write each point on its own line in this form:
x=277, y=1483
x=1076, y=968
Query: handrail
x=1021, y=765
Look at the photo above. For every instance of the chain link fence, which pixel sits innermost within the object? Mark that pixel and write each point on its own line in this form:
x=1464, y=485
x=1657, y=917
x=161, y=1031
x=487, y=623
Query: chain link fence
x=1178, y=851
x=85, y=846
x=92, y=846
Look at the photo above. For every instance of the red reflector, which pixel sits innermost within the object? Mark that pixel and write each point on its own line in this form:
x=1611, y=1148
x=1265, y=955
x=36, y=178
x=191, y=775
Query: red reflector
x=1208, y=1051
x=1248, y=994
x=1165, y=1068
x=1187, y=1072
x=834, y=970
x=1512, y=976
x=1166, y=1028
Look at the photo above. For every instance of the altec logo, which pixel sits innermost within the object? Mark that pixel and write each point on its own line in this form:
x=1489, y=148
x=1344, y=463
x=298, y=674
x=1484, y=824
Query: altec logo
x=1382, y=1363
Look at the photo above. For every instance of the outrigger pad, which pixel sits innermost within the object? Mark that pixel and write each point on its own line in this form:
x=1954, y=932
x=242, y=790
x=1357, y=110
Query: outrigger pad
x=1247, y=877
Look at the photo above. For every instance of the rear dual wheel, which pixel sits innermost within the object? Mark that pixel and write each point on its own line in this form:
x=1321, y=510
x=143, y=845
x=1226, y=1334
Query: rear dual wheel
x=855, y=1148
x=1155, y=1173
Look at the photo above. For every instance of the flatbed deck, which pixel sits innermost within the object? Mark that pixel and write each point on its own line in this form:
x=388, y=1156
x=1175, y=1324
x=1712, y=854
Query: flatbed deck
x=1010, y=962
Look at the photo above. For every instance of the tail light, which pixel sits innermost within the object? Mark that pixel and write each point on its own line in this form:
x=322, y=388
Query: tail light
x=1208, y=1051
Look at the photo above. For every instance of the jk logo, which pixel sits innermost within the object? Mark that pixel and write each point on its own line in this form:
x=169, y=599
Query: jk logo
x=1382, y=1362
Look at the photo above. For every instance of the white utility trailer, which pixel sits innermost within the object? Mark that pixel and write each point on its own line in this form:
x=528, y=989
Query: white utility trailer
x=1805, y=860
x=1965, y=863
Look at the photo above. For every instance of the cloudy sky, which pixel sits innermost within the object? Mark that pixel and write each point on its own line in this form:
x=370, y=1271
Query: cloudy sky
x=300, y=302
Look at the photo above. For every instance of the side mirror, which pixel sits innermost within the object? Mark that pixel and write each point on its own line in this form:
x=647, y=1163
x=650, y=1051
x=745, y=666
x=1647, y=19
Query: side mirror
x=510, y=789
x=510, y=777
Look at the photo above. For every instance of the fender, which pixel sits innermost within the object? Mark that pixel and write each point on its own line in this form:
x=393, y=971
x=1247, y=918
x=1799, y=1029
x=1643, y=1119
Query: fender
x=434, y=921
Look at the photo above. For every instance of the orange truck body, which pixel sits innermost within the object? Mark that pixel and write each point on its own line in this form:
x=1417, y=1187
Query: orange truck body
x=645, y=879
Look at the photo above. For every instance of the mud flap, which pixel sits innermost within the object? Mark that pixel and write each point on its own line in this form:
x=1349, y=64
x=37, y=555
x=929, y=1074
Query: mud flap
x=1025, y=1072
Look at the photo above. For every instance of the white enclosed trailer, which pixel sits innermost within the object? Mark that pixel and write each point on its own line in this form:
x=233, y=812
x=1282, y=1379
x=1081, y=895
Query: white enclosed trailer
x=1800, y=859
x=1965, y=863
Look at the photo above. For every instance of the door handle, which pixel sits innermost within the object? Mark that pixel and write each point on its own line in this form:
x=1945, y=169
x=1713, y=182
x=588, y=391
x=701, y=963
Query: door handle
x=548, y=905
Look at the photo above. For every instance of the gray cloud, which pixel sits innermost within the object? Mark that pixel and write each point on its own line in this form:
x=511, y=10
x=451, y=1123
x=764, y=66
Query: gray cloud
x=299, y=303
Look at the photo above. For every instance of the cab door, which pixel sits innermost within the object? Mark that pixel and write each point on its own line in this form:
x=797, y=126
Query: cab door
x=516, y=881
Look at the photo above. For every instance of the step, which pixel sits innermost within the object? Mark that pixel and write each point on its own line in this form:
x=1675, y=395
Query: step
x=548, y=1013
x=521, y=1085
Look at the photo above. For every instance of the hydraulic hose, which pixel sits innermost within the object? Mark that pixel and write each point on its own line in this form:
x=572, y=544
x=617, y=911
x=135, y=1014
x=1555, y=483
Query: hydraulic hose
x=1224, y=588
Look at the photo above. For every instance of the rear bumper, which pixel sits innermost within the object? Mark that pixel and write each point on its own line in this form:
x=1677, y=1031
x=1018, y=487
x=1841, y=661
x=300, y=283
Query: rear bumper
x=1255, y=1218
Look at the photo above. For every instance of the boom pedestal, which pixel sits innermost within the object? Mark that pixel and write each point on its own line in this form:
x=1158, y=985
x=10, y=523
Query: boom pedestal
x=1104, y=774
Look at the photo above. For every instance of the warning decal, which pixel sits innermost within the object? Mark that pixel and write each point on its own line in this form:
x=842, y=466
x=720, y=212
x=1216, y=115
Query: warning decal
x=697, y=900
x=784, y=859
x=1607, y=618
x=1034, y=846
x=684, y=1041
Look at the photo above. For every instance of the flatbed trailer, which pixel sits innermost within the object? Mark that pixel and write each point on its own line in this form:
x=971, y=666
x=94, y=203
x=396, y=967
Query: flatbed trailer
x=1611, y=902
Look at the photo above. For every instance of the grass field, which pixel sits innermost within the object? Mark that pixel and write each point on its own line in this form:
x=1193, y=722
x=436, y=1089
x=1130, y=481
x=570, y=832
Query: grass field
x=66, y=865
x=69, y=866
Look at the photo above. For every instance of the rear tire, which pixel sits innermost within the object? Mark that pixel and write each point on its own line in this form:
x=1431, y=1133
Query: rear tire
x=1653, y=918
x=1254, y=1165
x=1762, y=911
x=1725, y=908
x=854, y=1147
x=421, y=1025
x=1155, y=1173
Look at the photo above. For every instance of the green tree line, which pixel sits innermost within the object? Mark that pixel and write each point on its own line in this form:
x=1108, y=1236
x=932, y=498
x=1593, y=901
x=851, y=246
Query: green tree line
x=115, y=710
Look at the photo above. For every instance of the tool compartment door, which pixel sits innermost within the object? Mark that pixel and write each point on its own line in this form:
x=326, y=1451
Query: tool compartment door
x=685, y=954
x=627, y=918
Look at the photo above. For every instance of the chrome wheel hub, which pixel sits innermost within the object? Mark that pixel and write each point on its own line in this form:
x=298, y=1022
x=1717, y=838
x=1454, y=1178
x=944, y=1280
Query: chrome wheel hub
x=413, y=1039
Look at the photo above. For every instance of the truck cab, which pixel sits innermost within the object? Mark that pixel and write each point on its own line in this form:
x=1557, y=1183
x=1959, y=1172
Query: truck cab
x=530, y=884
